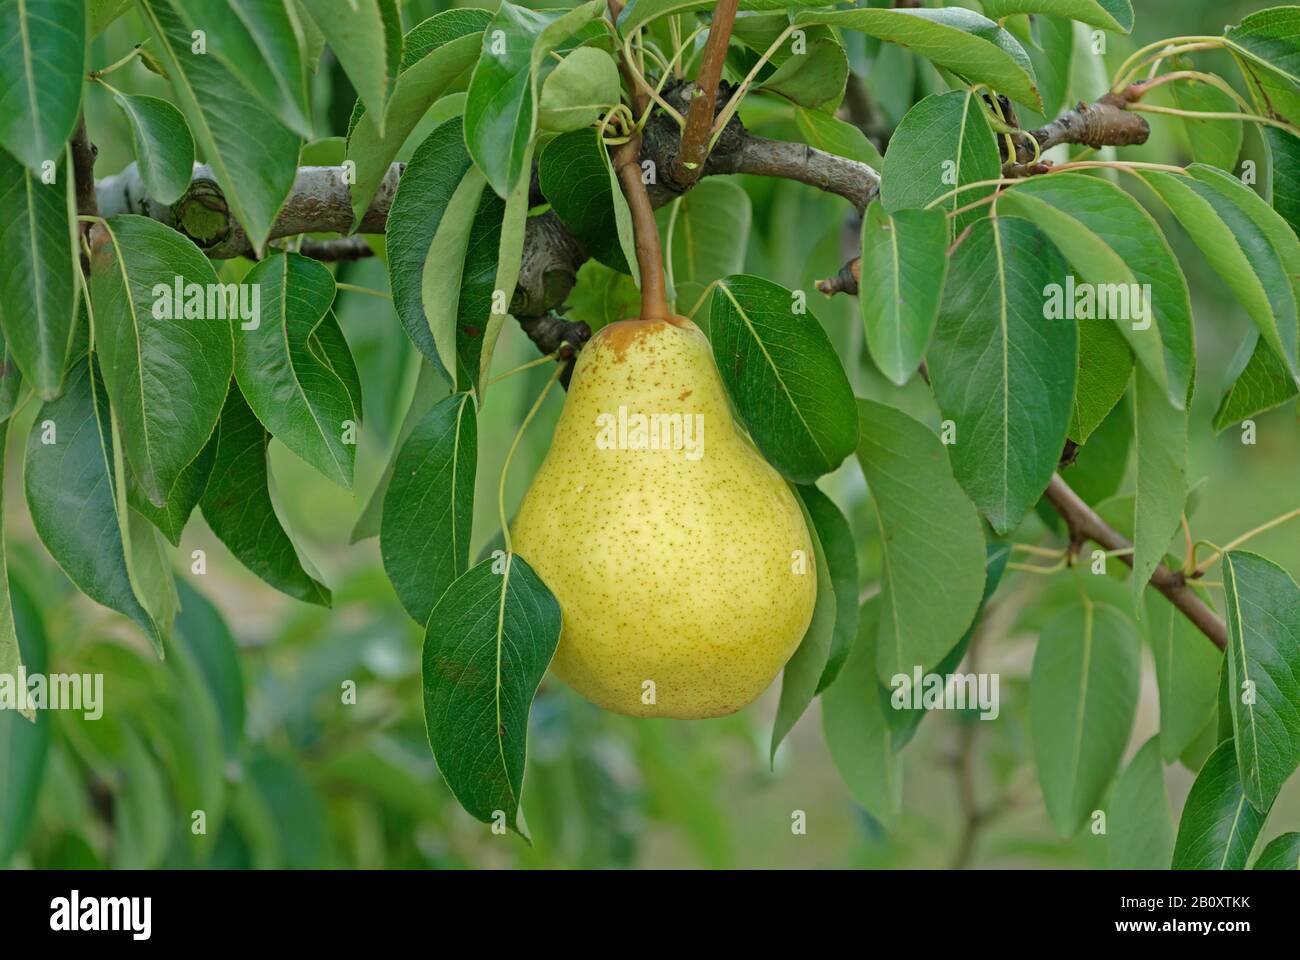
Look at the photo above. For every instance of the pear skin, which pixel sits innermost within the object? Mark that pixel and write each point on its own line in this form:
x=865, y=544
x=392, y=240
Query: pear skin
x=680, y=558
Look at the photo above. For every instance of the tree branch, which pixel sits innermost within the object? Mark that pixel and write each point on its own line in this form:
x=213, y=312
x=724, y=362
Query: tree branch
x=1084, y=524
x=688, y=165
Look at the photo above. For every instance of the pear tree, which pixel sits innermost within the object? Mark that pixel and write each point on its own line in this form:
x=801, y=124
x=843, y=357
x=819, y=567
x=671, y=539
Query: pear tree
x=981, y=423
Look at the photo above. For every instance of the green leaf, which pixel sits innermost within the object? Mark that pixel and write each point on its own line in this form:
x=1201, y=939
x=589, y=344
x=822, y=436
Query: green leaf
x=828, y=133
x=38, y=260
x=449, y=43
x=365, y=40
x=783, y=376
x=302, y=399
x=1105, y=367
x=11, y=659
x=930, y=538
x=24, y=746
x=579, y=91
x=184, y=496
x=165, y=363
x=252, y=156
x=489, y=641
x=1115, y=245
x=202, y=631
x=441, y=272
x=904, y=719
x=573, y=173
x=237, y=505
x=602, y=295
x=837, y=543
x=1160, y=437
x=804, y=670
x=164, y=149
x=257, y=41
x=942, y=143
x=1140, y=835
x=104, y=12
x=1270, y=38
x=429, y=389
x=1187, y=675
x=41, y=73
x=1247, y=243
x=1263, y=607
x=814, y=77
x=71, y=484
x=501, y=107
x=1218, y=828
x=855, y=722
x=1213, y=142
x=436, y=171
x=1052, y=57
x=1264, y=383
x=961, y=40
x=11, y=380
x=706, y=233
x=1107, y=14
x=1283, y=853
x=1284, y=173
x=1082, y=697
x=904, y=262
x=1000, y=371
x=510, y=252
x=429, y=506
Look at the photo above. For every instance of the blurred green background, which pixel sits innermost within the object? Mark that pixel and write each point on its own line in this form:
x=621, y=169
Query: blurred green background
x=246, y=720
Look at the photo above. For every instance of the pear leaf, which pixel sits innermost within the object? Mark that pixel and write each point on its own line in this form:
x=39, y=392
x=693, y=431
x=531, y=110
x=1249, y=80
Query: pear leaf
x=1219, y=826
x=1283, y=853
x=439, y=53
x=1002, y=374
x=783, y=376
x=41, y=74
x=1263, y=613
x=805, y=667
x=932, y=546
x=1082, y=699
x=855, y=720
x=166, y=418
x=489, y=641
x=237, y=505
x=71, y=482
x=1141, y=834
x=305, y=400
x=38, y=264
x=429, y=505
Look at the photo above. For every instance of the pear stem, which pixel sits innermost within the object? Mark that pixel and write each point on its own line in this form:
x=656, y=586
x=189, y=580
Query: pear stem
x=627, y=164
x=510, y=454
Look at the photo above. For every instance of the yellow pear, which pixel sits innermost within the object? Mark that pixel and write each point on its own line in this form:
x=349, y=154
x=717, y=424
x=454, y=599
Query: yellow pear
x=680, y=558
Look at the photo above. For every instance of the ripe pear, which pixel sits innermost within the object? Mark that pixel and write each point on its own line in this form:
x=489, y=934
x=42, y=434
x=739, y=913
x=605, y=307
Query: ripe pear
x=680, y=558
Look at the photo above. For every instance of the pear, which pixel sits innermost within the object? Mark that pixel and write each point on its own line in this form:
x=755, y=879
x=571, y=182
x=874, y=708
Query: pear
x=680, y=558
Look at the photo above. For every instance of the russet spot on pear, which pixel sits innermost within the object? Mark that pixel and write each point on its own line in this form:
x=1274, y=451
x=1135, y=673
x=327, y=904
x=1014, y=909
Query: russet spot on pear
x=669, y=566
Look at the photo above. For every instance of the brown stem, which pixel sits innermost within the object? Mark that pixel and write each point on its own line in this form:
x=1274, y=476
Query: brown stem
x=627, y=165
x=83, y=179
x=1084, y=524
x=649, y=257
x=689, y=164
